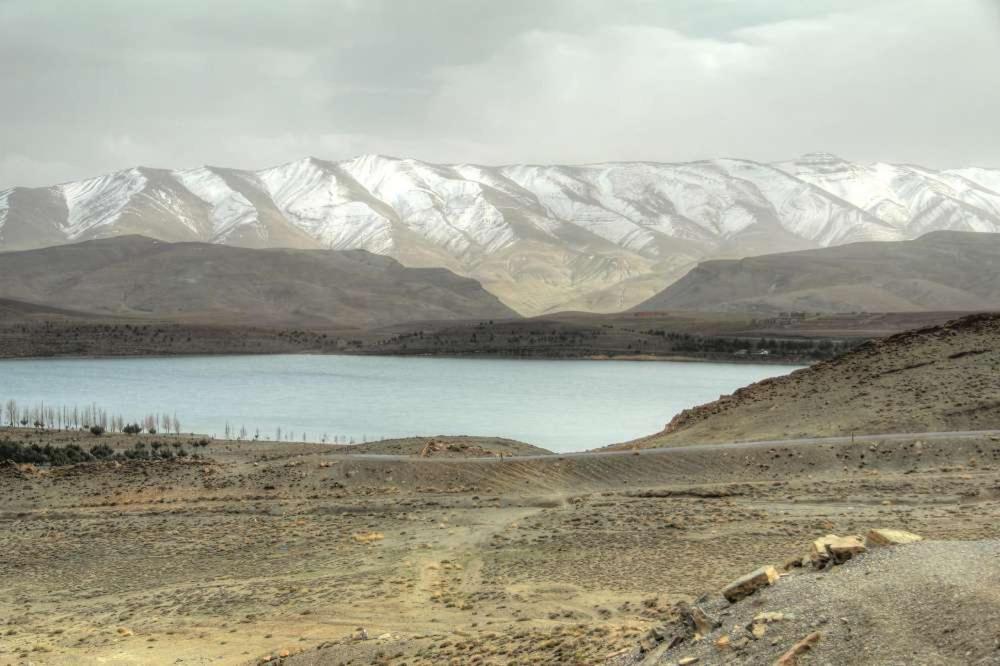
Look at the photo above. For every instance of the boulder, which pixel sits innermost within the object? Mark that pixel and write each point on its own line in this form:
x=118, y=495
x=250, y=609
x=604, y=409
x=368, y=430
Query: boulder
x=746, y=585
x=888, y=537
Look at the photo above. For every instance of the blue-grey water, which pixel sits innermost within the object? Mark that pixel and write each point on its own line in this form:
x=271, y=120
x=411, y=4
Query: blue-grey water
x=559, y=405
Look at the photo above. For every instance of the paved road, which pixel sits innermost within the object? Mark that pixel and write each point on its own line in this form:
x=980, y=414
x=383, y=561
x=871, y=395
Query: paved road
x=901, y=436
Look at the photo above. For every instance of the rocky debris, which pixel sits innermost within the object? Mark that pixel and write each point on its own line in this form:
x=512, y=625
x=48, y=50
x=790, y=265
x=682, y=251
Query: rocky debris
x=746, y=585
x=758, y=627
x=791, y=657
x=833, y=549
x=703, y=623
x=890, y=537
x=21, y=470
x=687, y=623
x=438, y=447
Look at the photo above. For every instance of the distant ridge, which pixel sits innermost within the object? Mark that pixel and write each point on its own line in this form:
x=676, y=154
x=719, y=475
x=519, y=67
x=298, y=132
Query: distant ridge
x=202, y=282
x=943, y=270
x=543, y=238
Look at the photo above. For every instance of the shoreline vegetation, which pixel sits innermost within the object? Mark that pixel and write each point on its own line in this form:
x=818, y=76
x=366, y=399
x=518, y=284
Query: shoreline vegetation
x=59, y=447
x=788, y=338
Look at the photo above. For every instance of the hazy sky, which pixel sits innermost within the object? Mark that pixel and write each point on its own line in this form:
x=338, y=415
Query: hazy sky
x=94, y=86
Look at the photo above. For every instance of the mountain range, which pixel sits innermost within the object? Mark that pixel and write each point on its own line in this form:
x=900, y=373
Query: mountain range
x=209, y=283
x=940, y=271
x=596, y=237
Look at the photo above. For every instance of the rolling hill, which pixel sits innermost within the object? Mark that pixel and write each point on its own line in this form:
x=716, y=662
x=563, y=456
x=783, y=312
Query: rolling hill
x=543, y=238
x=943, y=270
x=940, y=378
x=203, y=282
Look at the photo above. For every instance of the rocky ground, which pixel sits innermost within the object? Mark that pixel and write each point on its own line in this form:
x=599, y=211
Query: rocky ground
x=932, y=602
x=305, y=554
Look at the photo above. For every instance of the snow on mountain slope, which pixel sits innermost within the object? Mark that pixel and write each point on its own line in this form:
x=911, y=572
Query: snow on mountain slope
x=317, y=197
x=4, y=207
x=98, y=202
x=434, y=202
x=229, y=208
x=988, y=179
x=911, y=199
x=541, y=235
x=806, y=210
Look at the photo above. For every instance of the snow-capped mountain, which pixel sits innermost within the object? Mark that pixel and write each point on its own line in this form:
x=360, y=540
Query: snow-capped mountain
x=599, y=237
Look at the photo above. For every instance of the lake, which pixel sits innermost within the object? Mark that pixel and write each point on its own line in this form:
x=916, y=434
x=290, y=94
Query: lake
x=559, y=405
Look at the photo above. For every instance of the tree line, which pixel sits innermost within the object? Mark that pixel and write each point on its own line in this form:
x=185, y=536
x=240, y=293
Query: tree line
x=88, y=417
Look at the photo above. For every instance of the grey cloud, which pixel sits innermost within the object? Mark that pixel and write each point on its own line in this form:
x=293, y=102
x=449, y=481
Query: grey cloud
x=97, y=86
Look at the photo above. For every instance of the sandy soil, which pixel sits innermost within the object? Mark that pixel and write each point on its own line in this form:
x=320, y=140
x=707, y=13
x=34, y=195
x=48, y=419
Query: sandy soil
x=263, y=549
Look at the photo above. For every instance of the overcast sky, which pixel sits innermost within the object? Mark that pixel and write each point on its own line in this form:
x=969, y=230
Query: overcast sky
x=95, y=86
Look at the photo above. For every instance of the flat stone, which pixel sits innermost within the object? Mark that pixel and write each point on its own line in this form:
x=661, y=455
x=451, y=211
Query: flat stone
x=838, y=548
x=791, y=657
x=890, y=537
x=746, y=585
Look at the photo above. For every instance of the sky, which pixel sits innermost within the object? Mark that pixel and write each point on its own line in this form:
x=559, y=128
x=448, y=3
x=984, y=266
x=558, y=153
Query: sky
x=97, y=86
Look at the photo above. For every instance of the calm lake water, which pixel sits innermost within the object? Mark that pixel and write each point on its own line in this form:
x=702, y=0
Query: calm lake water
x=559, y=405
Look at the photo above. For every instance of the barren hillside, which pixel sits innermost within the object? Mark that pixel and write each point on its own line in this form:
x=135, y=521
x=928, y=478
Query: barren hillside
x=944, y=270
x=134, y=275
x=933, y=379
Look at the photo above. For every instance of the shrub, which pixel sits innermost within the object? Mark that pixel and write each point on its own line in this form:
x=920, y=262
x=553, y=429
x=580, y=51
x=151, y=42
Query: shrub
x=102, y=451
x=132, y=429
x=43, y=455
x=96, y=430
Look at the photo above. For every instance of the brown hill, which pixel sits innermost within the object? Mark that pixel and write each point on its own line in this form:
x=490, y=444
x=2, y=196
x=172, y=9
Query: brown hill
x=940, y=378
x=134, y=275
x=944, y=270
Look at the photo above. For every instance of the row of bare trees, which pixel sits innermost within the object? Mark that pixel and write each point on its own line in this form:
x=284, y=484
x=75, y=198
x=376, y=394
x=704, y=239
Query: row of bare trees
x=64, y=417
x=243, y=435
x=49, y=417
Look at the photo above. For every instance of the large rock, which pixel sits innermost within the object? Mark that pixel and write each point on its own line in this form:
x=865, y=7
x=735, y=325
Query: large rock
x=888, y=537
x=746, y=585
x=836, y=548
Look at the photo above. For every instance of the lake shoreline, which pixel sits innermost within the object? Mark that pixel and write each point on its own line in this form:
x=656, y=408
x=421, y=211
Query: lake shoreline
x=642, y=358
